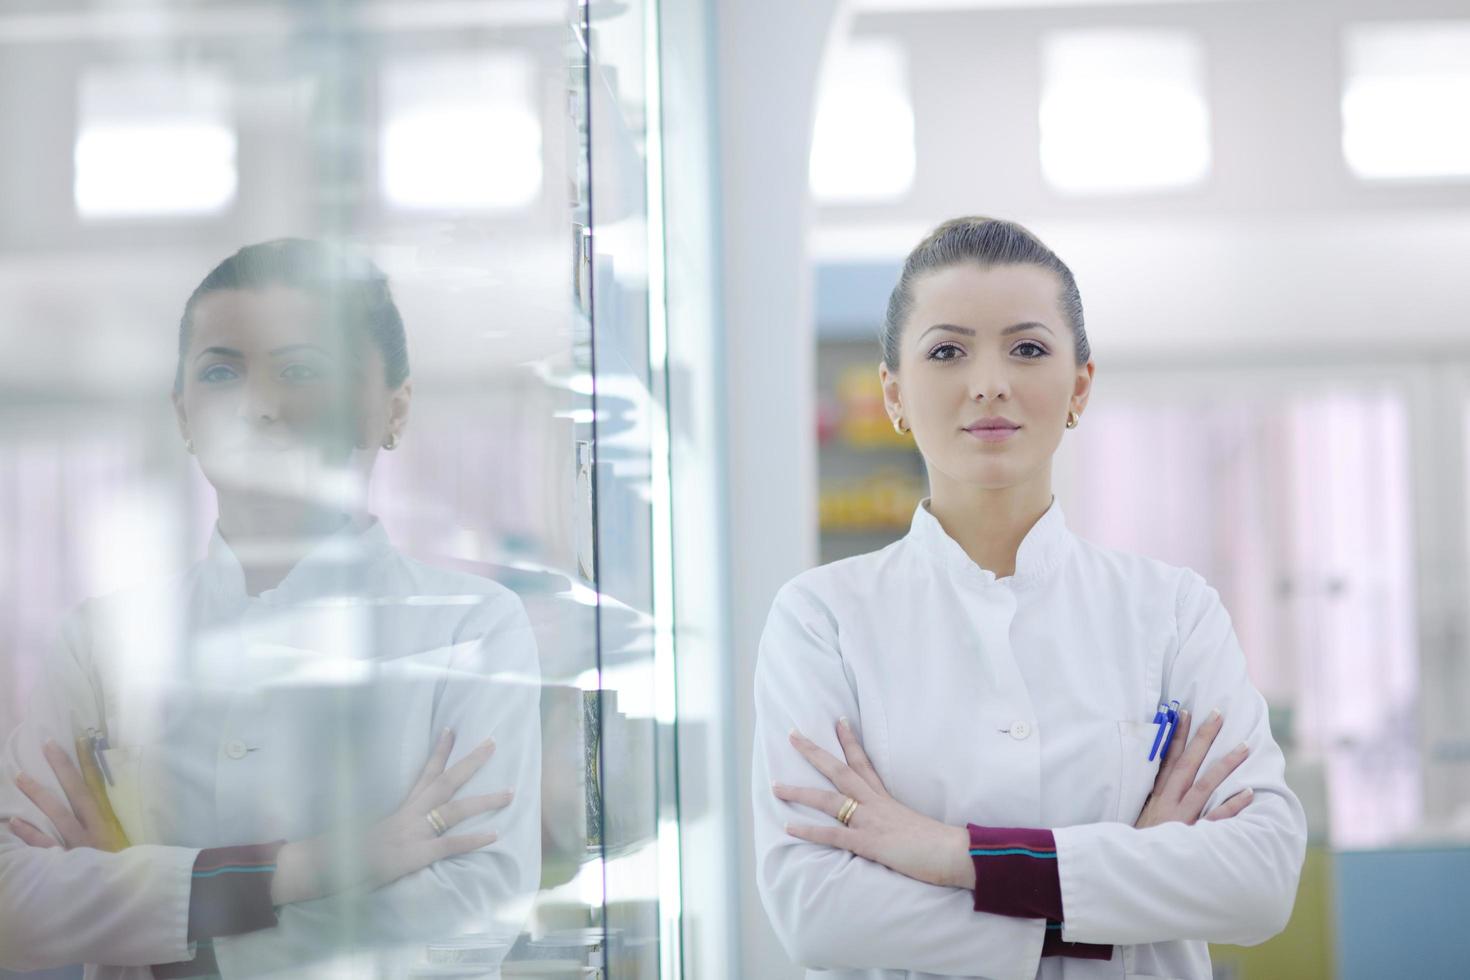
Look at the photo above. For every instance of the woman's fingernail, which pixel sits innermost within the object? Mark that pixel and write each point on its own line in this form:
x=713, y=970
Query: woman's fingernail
x=1213, y=715
x=444, y=735
x=794, y=735
x=845, y=723
x=23, y=780
x=1243, y=749
x=1248, y=793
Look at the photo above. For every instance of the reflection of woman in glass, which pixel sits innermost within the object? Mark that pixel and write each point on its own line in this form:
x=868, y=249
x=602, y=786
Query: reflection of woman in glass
x=956, y=771
x=227, y=772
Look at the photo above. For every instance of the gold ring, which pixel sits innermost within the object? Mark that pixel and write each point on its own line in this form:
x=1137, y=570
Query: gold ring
x=844, y=815
x=436, y=822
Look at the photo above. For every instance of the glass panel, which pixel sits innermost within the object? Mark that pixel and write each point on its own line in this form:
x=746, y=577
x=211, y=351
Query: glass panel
x=629, y=356
x=272, y=591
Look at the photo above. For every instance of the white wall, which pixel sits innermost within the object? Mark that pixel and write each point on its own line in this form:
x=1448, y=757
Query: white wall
x=769, y=53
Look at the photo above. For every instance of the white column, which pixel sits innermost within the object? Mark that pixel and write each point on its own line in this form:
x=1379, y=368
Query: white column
x=769, y=56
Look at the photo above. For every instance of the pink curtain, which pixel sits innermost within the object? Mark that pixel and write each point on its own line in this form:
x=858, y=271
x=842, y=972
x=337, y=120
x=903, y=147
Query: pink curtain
x=1296, y=507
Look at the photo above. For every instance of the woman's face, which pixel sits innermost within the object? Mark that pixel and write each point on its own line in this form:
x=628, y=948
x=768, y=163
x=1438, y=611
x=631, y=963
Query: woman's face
x=986, y=345
x=276, y=400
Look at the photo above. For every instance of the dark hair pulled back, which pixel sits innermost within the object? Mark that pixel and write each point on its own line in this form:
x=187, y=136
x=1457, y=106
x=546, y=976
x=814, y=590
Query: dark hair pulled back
x=356, y=289
x=985, y=242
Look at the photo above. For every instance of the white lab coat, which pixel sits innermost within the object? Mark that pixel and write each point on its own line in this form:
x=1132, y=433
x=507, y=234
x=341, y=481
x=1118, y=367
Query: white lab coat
x=237, y=719
x=1024, y=701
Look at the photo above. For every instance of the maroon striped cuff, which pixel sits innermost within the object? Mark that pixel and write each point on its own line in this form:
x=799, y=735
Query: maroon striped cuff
x=229, y=894
x=231, y=891
x=1016, y=875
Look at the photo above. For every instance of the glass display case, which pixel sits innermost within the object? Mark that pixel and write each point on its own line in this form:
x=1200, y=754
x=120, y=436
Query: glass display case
x=497, y=534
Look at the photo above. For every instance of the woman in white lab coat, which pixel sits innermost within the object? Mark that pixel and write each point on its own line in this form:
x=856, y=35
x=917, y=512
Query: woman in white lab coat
x=307, y=744
x=955, y=770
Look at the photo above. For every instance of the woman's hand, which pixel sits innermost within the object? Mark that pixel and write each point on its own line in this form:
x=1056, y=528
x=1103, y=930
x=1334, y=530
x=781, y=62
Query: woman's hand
x=79, y=820
x=1177, y=794
x=400, y=844
x=881, y=829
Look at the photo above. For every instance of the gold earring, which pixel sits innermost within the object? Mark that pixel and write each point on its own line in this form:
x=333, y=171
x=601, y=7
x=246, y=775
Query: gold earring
x=898, y=425
x=391, y=443
x=1072, y=419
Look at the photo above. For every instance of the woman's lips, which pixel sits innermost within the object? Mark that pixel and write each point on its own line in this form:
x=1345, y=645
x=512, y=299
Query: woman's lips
x=998, y=434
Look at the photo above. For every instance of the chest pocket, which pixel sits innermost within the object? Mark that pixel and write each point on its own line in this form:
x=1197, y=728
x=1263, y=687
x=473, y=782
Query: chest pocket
x=1136, y=772
x=127, y=794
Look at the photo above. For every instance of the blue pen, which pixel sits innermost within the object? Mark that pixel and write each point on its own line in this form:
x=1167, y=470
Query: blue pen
x=1173, y=723
x=1161, y=718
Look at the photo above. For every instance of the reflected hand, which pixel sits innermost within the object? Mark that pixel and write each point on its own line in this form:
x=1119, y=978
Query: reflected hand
x=79, y=820
x=1177, y=794
x=881, y=829
x=400, y=844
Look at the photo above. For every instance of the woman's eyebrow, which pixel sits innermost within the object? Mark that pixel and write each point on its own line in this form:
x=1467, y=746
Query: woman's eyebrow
x=223, y=351
x=277, y=352
x=1028, y=325
x=968, y=332
x=947, y=326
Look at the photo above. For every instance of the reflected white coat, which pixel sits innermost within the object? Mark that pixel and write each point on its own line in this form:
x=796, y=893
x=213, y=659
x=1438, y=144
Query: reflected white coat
x=238, y=719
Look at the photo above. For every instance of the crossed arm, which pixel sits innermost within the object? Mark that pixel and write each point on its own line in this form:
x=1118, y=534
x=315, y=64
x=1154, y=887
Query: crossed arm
x=1011, y=871
x=68, y=895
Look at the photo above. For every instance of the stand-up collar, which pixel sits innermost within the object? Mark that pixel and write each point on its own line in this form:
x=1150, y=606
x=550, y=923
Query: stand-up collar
x=1041, y=549
x=329, y=568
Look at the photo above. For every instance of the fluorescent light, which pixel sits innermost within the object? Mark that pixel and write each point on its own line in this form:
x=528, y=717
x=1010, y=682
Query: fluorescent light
x=461, y=132
x=1406, y=100
x=863, y=140
x=153, y=142
x=929, y=6
x=1123, y=110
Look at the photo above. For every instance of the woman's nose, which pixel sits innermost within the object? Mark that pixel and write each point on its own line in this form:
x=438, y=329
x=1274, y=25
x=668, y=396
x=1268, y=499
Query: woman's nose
x=259, y=403
x=988, y=380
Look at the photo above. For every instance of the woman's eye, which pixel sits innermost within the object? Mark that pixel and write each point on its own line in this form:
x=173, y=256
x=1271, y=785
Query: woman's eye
x=1036, y=350
x=945, y=352
x=216, y=373
x=299, y=373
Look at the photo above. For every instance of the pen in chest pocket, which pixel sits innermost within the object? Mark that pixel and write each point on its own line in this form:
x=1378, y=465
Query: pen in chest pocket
x=96, y=745
x=1167, y=718
x=92, y=749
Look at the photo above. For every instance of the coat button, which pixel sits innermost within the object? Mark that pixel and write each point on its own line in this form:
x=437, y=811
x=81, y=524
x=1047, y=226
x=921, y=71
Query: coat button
x=1020, y=730
x=236, y=749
